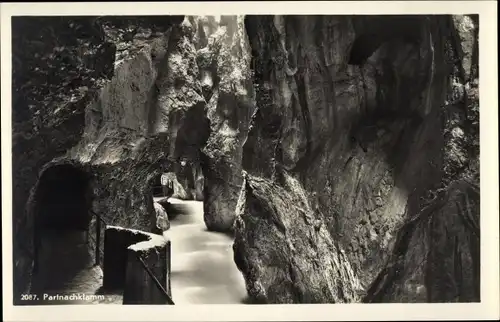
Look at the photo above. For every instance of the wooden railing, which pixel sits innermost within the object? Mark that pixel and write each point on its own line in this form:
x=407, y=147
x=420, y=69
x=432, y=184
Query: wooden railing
x=155, y=280
x=98, y=236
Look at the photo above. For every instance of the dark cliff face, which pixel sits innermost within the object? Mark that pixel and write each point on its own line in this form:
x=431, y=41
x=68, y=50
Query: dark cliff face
x=349, y=137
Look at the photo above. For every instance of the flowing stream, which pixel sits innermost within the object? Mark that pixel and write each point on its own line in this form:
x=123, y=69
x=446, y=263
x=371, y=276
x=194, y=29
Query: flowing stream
x=203, y=270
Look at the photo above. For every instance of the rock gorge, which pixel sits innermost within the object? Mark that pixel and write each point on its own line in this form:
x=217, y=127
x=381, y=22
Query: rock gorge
x=341, y=152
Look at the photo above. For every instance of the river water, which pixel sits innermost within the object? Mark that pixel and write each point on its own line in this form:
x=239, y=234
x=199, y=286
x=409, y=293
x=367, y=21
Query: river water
x=203, y=270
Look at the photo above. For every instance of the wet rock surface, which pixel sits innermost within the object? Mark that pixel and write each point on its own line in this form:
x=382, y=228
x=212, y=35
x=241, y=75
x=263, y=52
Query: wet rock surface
x=162, y=222
x=284, y=248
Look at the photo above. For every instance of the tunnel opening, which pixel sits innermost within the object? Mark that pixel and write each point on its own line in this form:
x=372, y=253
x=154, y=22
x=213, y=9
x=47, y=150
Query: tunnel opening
x=63, y=199
x=169, y=191
x=185, y=182
x=62, y=215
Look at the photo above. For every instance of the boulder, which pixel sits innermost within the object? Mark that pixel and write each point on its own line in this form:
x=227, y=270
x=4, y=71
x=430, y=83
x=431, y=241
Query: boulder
x=162, y=222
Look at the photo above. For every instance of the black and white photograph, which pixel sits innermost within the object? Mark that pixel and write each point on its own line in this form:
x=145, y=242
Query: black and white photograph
x=247, y=159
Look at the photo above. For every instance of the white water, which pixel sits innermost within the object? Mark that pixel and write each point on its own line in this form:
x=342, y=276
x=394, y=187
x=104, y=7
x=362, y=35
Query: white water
x=203, y=270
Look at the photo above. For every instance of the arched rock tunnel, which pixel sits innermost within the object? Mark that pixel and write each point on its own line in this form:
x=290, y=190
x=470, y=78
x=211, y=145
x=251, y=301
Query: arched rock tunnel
x=61, y=210
x=63, y=199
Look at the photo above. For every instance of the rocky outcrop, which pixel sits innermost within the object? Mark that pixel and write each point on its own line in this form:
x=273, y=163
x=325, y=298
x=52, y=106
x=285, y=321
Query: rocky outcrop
x=135, y=125
x=344, y=159
x=188, y=180
x=285, y=249
x=224, y=61
x=162, y=223
x=178, y=190
x=439, y=254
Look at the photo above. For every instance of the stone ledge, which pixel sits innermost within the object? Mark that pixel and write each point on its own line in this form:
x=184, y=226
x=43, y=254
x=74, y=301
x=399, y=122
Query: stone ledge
x=123, y=269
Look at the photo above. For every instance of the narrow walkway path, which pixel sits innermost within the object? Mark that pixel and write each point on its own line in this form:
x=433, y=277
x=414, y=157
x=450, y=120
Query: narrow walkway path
x=66, y=269
x=203, y=270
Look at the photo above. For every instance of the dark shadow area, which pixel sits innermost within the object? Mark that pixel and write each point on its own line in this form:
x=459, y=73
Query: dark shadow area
x=363, y=47
x=248, y=300
x=63, y=200
x=157, y=188
x=374, y=31
x=62, y=262
x=116, y=242
x=104, y=291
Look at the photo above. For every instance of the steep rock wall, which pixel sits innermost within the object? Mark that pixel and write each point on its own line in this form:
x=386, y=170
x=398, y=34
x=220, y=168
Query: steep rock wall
x=224, y=61
x=436, y=257
x=360, y=160
x=350, y=109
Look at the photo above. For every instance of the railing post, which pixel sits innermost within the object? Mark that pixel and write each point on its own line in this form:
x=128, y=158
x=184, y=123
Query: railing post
x=97, y=239
x=169, y=269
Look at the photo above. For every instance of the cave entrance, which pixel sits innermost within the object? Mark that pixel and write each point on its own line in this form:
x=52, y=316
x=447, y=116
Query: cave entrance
x=62, y=216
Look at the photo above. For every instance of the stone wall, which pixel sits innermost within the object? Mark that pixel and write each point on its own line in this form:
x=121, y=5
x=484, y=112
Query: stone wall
x=124, y=250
